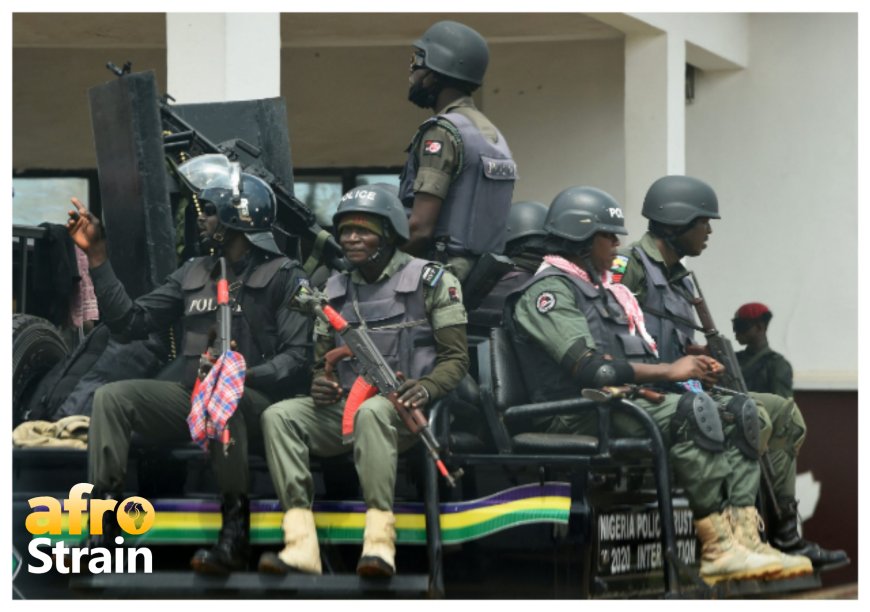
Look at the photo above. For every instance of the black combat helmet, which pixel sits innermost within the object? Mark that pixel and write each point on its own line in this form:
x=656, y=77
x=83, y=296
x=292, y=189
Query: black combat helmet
x=679, y=200
x=377, y=199
x=243, y=202
x=525, y=226
x=578, y=213
x=454, y=50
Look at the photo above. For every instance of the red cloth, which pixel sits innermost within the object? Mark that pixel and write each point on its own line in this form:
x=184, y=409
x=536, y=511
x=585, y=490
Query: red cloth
x=83, y=306
x=217, y=399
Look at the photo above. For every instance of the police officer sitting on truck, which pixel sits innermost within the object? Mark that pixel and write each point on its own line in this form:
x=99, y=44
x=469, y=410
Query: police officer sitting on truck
x=573, y=328
x=237, y=213
x=412, y=310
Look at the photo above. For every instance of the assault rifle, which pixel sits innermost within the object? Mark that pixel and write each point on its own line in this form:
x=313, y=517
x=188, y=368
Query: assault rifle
x=376, y=376
x=294, y=217
x=732, y=379
x=222, y=341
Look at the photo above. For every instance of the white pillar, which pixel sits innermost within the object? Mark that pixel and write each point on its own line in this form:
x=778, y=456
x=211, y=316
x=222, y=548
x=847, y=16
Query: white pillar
x=655, y=117
x=219, y=57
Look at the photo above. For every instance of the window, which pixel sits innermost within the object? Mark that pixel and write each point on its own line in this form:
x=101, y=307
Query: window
x=322, y=189
x=38, y=200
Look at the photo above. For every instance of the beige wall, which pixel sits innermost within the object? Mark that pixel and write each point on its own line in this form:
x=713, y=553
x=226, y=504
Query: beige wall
x=347, y=106
x=779, y=143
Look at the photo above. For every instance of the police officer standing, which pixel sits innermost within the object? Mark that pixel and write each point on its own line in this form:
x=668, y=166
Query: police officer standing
x=764, y=370
x=573, y=328
x=679, y=209
x=413, y=311
x=459, y=175
x=238, y=211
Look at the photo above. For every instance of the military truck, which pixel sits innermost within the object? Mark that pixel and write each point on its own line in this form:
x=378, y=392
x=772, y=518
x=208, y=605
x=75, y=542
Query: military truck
x=530, y=515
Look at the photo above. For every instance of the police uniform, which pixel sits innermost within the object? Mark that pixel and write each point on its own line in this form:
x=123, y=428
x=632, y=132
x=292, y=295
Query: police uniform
x=414, y=315
x=274, y=340
x=549, y=316
x=642, y=269
x=766, y=371
x=460, y=157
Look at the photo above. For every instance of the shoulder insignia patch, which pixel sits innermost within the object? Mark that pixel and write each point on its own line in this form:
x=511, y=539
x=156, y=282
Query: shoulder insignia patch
x=545, y=302
x=432, y=274
x=454, y=294
x=432, y=147
x=620, y=263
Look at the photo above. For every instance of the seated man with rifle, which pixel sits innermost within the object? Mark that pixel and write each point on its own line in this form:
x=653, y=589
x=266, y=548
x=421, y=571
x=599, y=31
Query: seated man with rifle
x=237, y=212
x=573, y=329
x=412, y=313
x=679, y=209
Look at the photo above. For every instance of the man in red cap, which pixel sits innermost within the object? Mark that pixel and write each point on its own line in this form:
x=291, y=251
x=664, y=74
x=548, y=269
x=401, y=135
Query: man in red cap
x=764, y=370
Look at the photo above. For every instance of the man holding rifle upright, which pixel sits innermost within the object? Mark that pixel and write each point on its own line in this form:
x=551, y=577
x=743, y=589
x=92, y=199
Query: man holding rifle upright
x=679, y=209
x=412, y=310
x=237, y=211
x=573, y=328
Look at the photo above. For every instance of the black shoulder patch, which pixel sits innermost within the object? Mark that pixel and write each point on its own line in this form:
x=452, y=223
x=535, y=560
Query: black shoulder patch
x=432, y=273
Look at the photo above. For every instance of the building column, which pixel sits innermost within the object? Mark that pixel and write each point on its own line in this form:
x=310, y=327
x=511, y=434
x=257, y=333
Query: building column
x=655, y=117
x=222, y=57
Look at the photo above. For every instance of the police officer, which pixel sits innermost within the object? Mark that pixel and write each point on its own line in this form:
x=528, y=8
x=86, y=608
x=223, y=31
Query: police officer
x=413, y=311
x=525, y=246
x=459, y=176
x=275, y=342
x=764, y=370
x=679, y=209
x=573, y=328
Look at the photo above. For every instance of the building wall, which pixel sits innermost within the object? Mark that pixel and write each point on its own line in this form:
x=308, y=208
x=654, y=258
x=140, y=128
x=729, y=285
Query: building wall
x=557, y=104
x=761, y=135
x=778, y=141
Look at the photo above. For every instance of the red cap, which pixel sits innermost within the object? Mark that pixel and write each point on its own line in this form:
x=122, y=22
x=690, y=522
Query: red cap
x=753, y=310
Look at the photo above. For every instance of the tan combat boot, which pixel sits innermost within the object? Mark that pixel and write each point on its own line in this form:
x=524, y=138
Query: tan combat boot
x=378, y=559
x=723, y=558
x=746, y=524
x=301, y=552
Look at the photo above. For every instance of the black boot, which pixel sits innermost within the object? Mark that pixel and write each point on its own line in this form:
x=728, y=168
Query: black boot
x=785, y=536
x=233, y=546
x=111, y=529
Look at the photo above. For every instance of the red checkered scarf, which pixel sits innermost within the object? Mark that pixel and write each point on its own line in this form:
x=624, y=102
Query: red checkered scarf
x=217, y=398
x=622, y=294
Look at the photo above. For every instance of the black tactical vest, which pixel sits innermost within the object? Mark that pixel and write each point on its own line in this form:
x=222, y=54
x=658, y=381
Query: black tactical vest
x=671, y=335
x=394, y=314
x=491, y=309
x=547, y=380
x=253, y=322
x=474, y=213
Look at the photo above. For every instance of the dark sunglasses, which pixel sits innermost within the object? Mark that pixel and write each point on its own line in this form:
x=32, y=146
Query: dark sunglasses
x=418, y=60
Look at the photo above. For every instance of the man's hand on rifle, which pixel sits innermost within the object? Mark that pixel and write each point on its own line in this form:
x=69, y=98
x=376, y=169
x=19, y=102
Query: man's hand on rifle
x=698, y=349
x=411, y=393
x=324, y=391
x=698, y=367
x=211, y=355
x=87, y=232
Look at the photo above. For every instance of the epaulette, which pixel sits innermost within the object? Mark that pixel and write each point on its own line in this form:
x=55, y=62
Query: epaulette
x=617, y=268
x=432, y=274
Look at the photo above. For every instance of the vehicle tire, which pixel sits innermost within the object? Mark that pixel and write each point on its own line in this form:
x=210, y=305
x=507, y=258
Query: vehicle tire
x=37, y=347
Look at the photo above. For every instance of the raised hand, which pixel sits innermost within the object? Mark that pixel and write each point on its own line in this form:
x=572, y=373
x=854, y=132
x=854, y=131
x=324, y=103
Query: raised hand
x=87, y=233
